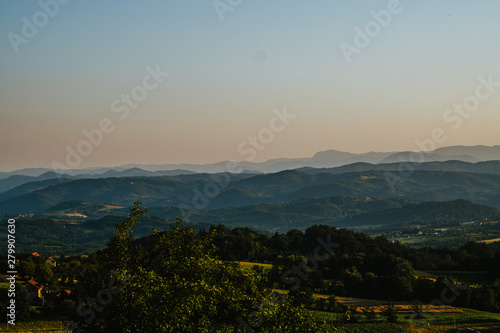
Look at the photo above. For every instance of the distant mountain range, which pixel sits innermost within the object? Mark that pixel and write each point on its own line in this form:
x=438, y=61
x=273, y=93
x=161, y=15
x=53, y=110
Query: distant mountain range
x=323, y=159
x=17, y=180
x=332, y=187
x=492, y=167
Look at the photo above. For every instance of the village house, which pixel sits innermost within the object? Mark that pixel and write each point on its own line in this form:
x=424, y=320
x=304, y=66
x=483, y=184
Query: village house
x=51, y=261
x=35, y=291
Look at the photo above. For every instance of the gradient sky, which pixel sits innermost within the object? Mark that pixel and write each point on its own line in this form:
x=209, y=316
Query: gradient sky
x=226, y=77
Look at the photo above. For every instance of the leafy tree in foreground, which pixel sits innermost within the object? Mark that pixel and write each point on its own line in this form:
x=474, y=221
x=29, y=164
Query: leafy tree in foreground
x=177, y=285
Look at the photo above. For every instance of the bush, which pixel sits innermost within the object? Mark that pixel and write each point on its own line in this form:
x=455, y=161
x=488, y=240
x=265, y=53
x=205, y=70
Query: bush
x=390, y=314
x=67, y=306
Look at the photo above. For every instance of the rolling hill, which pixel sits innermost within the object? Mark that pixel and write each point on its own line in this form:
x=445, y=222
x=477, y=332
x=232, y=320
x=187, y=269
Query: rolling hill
x=208, y=191
x=338, y=211
x=492, y=167
x=457, y=210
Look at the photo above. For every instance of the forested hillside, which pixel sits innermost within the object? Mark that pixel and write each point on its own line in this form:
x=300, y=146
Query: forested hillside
x=204, y=191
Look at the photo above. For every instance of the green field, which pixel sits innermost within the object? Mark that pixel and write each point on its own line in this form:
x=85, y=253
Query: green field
x=438, y=322
x=34, y=326
x=477, y=320
x=433, y=322
x=250, y=265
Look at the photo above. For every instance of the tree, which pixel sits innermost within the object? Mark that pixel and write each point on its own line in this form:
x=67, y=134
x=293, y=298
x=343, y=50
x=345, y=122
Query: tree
x=26, y=268
x=62, y=271
x=301, y=296
x=175, y=285
x=118, y=255
x=390, y=313
x=43, y=273
x=417, y=308
x=67, y=306
x=369, y=313
x=399, y=278
x=352, y=279
x=333, y=305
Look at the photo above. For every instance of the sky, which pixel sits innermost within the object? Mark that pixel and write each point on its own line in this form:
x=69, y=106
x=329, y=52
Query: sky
x=106, y=83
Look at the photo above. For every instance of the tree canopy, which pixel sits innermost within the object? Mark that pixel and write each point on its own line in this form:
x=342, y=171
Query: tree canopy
x=178, y=285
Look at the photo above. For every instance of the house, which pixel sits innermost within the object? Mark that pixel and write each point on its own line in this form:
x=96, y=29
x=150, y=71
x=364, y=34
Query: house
x=51, y=261
x=34, y=254
x=35, y=291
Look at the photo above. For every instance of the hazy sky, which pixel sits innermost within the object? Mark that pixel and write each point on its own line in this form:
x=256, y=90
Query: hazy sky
x=352, y=75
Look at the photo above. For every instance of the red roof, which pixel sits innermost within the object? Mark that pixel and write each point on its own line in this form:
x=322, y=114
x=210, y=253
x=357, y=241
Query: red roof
x=35, y=284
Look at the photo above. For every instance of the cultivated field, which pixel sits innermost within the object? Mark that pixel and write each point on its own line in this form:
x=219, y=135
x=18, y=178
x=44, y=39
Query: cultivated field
x=358, y=304
x=488, y=241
